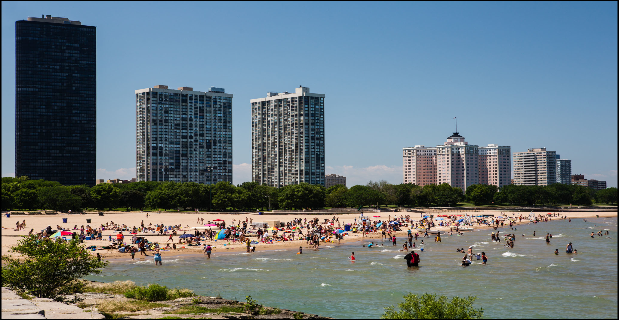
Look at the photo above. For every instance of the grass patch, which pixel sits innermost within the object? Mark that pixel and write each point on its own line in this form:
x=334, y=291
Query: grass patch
x=112, y=306
x=23, y=295
x=116, y=287
x=200, y=310
x=155, y=292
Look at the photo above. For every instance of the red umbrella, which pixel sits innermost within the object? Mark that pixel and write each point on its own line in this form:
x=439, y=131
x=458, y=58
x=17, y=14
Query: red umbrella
x=218, y=220
x=376, y=216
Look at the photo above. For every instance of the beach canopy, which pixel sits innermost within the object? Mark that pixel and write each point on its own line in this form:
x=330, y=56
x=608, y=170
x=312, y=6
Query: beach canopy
x=186, y=235
x=439, y=219
x=61, y=234
x=338, y=231
x=426, y=216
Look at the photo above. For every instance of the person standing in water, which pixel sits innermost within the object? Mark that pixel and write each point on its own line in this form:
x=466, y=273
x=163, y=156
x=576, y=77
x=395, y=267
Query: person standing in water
x=207, y=250
x=484, y=258
x=352, y=257
x=548, y=238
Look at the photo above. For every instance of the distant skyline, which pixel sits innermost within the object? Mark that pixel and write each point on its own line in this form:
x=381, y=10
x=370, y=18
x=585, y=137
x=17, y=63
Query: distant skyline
x=395, y=74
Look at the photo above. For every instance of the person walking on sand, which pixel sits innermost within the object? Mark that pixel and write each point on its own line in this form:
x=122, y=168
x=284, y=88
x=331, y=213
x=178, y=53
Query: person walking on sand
x=170, y=239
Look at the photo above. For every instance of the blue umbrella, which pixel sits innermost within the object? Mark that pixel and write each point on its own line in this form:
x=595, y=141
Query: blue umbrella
x=460, y=220
x=339, y=231
x=379, y=224
x=439, y=219
x=221, y=235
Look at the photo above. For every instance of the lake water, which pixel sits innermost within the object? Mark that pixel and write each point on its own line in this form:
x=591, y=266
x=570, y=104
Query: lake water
x=528, y=281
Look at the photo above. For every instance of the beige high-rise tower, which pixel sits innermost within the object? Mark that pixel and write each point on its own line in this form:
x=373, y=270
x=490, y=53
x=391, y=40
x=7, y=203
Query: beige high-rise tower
x=288, y=138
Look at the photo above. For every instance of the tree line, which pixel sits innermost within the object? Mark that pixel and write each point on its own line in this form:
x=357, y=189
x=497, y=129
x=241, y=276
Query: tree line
x=22, y=193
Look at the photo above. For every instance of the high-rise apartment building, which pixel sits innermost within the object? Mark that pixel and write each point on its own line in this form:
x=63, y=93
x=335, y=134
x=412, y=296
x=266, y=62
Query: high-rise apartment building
x=333, y=180
x=535, y=167
x=458, y=164
x=288, y=138
x=419, y=165
x=564, y=170
x=183, y=135
x=55, y=100
x=495, y=165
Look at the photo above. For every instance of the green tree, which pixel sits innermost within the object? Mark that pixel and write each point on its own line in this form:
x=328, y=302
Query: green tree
x=83, y=192
x=160, y=199
x=8, y=201
x=447, y=196
x=359, y=195
x=602, y=196
x=403, y=194
x=303, y=195
x=59, y=198
x=481, y=194
x=26, y=199
x=428, y=306
x=582, y=196
x=336, y=196
x=105, y=195
x=132, y=199
x=223, y=195
x=49, y=267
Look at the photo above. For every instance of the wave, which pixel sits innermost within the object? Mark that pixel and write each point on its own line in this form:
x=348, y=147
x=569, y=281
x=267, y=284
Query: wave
x=325, y=285
x=399, y=256
x=349, y=270
x=573, y=260
x=539, y=238
x=241, y=269
x=558, y=235
x=378, y=263
x=511, y=254
x=552, y=265
x=385, y=250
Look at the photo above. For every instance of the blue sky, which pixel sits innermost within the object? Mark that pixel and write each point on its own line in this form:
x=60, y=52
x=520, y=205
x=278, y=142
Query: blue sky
x=395, y=74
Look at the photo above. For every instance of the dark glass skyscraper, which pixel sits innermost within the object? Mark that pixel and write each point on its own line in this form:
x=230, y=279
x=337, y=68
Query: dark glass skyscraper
x=55, y=100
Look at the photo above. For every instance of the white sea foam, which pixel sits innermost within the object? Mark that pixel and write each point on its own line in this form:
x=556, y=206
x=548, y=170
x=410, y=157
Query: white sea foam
x=350, y=270
x=552, y=265
x=241, y=269
x=573, y=260
x=264, y=259
x=325, y=285
x=385, y=250
x=558, y=235
x=399, y=256
x=539, y=238
x=511, y=254
x=376, y=263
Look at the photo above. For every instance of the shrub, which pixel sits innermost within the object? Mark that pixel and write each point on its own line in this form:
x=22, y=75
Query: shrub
x=155, y=292
x=428, y=306
x=49, y=268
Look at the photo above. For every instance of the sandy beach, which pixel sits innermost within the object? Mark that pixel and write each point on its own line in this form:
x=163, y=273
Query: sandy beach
x=188, y=220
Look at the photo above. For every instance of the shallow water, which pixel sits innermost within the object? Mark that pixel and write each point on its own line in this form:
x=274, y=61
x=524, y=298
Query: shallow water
x=528, y=281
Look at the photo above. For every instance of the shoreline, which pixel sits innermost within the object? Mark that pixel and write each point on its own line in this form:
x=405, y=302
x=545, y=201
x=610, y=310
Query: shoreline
x=186, y=220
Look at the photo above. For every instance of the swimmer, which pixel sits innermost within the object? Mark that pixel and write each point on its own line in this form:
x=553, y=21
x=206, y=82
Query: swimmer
x=352, y=257
x=557, y=252
x=300, y=250
x=371, y=244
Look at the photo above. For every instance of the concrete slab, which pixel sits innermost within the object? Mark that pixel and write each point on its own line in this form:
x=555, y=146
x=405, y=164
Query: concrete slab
x=8, y=315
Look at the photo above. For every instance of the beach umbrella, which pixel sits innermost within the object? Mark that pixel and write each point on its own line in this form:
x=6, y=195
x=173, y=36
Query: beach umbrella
x=61, y=233
x=460, y=220
x=376, y=216
x=379, y=224
x=210, y=225
x=439, y=219
x=218, y=220
x=338, y=231
x=186, y=235
x=221, y=235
